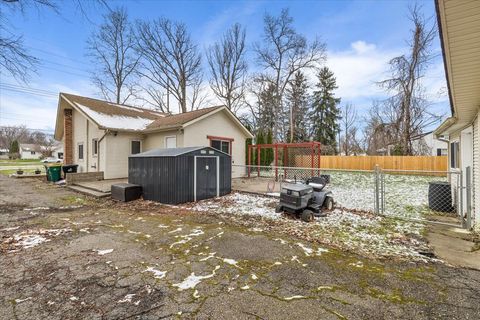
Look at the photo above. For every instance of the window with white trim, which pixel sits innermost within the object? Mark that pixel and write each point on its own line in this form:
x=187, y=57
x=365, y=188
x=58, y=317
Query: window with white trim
x=221, y=145
x=94, y=147
x=136, y=146
x=454, y=151
x=80, y=151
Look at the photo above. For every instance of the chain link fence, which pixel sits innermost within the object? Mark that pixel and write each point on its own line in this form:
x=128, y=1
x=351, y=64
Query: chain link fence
x=412, y=195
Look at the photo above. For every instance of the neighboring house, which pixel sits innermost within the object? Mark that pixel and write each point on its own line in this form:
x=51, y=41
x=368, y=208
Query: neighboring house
x=3, y=154
x=459, y=26
x=99, y=135
x=57, y=151
x=30, y=151
x=426, y=144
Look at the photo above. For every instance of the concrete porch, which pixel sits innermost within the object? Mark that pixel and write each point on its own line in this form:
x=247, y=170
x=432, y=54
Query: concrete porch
x=98, y=188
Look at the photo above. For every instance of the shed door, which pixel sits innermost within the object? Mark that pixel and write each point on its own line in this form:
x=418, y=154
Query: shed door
x=206, y=180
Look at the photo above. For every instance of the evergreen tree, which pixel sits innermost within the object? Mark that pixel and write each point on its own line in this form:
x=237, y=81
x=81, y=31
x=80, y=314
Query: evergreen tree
x=248, y=142
x=325, y=112
x=298, y=103
x=14, y=150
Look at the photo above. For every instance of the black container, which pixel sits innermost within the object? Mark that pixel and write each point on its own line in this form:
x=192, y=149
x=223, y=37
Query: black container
x=126, y=192
x=440, y=196
x=69, y=168
x=180, y=175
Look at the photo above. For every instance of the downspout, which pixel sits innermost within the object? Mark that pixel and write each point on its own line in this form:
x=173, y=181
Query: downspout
x=98, y=148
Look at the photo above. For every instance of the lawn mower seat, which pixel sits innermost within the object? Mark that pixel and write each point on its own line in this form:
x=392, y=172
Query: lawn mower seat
x=318, y=183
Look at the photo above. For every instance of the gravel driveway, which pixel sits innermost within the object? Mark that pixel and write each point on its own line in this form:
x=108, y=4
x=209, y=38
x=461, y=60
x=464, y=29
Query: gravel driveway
x=68, y=257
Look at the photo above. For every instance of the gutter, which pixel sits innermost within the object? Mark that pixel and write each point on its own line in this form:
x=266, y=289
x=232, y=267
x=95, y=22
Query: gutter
x=440, y=34
x=98, y=148
x=444, y=126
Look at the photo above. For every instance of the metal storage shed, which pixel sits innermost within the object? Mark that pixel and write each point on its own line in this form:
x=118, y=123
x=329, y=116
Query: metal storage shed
x=179, y=175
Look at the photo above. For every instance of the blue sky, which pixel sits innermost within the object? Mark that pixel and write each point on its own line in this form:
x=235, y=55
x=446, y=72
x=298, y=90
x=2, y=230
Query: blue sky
x=361, y=37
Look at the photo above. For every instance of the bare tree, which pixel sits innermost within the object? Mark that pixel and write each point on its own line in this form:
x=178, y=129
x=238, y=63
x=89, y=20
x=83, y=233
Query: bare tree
x=348, y=126
x=229, y=67
x=283, y=53
x=172, y=60
x=11, y=133
x=405, y=83
x=112, y=51
x=14, y=57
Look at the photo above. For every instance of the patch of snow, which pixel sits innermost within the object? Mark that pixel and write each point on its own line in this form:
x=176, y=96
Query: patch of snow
x=116, y=121
x=127, y=298
x=294, y=297
x=156, y=273
x=245, y=287
x=243, y=204
x=104, y=252
x=73, y=298
x=253, y=276
x=22, y=300
x=230, y=261
x=10, y=229
x=32, y=238
x=210, y=255
x=162, y=226
x=192, y=280
x=176, y=230
x=308, y=251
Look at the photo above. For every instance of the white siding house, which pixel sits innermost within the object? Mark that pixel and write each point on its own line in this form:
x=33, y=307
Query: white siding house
x=459, y=26
x=99, y=135
x=30, y=151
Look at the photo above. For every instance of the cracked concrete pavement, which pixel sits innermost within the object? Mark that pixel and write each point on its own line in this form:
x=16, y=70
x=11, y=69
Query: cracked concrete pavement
x=146, y=261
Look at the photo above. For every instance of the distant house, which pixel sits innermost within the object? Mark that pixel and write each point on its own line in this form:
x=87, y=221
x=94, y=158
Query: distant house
x=100, y=135
x=426, y=144
x=3, y=154
x=57, y=150
x=30, y=151
x=459, y=26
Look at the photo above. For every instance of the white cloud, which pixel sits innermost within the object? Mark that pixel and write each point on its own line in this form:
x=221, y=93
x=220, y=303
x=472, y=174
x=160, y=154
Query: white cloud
x=362, y=47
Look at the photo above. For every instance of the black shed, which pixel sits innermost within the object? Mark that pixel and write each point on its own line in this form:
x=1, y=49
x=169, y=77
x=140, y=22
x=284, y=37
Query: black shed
x=179, y=175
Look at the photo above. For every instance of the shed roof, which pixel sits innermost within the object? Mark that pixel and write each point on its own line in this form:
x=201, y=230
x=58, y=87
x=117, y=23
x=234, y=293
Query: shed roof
x=171, y=152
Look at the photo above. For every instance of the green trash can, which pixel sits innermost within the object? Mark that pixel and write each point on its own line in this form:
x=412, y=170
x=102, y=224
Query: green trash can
x=54, y=172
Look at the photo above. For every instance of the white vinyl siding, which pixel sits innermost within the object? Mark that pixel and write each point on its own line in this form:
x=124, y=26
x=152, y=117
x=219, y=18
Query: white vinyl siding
x=476, y=172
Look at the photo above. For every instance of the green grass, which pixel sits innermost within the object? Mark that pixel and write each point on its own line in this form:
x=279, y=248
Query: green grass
x=19, y=162
x=25, y=171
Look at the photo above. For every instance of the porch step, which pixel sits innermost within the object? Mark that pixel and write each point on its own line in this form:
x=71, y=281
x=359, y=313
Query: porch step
x=89, y=191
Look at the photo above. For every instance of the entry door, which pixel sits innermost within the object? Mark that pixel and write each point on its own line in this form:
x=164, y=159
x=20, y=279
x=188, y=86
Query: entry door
x=466, y=158
x=206, y=180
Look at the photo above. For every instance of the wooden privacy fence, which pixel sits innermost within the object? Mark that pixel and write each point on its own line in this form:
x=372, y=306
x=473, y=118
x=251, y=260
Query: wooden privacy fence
x=413, y=163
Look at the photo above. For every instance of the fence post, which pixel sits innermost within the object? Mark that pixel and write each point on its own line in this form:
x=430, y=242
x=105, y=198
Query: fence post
x=249, y=158
x=468, y=185
x=276, y=162
x=459, y=201
x=258, y=161
x=382, y=190
x=376, y=192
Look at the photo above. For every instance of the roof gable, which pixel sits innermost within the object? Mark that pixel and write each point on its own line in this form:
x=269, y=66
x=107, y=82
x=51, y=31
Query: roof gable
x=119, y=117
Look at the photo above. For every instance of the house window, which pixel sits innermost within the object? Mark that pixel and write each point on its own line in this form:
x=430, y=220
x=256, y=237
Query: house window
x=94, y=147
x=221, y=143
x=454, y=150
x=32, y=152
x=136, y=146
x=80, y=151
x=60, y=155
x=442, y=152
x=171, y=142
